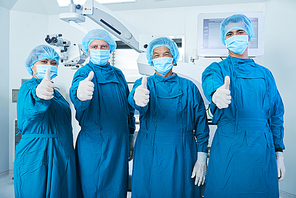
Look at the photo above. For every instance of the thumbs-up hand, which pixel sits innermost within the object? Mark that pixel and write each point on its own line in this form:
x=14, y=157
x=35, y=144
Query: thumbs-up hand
x=141, y=95
x=86, y=88
x=222, y=96
x=45, y=89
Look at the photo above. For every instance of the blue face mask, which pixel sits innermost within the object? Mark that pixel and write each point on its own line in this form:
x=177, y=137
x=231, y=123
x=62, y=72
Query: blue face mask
x=237, y=44
x=99, y=57
x=163, y=65
x=41, y=70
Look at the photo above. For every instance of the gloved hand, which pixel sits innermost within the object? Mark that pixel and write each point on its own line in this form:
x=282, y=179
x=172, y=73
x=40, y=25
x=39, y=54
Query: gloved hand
x=222, y=97
x=86, y=88
x=280, y=165
x=45, y=89
x=200, y=169
x=141, y=95
x=131, y=147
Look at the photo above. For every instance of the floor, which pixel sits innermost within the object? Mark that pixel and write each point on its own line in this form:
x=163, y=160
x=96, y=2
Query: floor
x=7, y=190
x=6, y=185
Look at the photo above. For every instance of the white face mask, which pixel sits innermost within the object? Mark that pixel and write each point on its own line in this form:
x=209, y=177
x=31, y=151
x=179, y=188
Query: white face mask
x=99, y=57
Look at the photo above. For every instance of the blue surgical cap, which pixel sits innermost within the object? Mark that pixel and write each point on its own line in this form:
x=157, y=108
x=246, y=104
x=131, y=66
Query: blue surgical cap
x=237, y=21
x=98, y=34
x=40, y=52
x=162, y=41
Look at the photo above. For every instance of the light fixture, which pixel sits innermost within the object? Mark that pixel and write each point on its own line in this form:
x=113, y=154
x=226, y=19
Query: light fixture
x=114, y=1
x=81, y=2
x=63, y=3
x=67, y=2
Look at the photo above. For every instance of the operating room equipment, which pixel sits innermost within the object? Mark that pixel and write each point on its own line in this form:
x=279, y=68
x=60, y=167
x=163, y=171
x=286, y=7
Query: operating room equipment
x=193, y=57
x=57, y=40
x=106, y=19
x=71, y=55
x=129, y=35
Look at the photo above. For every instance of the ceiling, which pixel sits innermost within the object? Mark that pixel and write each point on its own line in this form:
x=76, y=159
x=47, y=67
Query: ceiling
x=51, y=7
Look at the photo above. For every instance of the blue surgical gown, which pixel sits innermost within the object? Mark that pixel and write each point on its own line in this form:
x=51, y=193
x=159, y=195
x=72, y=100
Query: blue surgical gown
x=44, y=164
x=173, y=128
x=242, y=160
x=106, y=121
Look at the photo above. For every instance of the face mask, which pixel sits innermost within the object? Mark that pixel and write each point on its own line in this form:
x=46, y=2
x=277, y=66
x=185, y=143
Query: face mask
x=237, y=44
x=99, y=57
x=41, y=70
x=163, y=65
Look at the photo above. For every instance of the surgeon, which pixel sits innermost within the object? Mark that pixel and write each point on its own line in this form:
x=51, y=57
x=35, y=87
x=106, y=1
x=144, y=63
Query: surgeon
x=171, y=147
x=246, y=157
x=99, y=93
x=44, y=164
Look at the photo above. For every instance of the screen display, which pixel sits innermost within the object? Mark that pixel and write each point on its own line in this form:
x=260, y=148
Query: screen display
x=208, y=34
x=211, y=34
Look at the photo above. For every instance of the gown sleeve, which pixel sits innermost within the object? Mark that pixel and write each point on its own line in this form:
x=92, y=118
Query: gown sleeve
x=201, y=123
x=29, y=105
x=276, y=119
x=212, y=79
x=131, y=117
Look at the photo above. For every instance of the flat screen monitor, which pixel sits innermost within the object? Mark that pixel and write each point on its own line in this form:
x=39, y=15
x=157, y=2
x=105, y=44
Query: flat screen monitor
x=209, y=42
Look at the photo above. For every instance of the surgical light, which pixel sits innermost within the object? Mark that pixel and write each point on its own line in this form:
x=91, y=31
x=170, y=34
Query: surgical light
x=63, y=3
x=115, y=1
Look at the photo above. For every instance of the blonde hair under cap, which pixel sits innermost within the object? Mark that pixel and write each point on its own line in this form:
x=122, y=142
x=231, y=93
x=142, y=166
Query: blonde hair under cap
x=40, y=52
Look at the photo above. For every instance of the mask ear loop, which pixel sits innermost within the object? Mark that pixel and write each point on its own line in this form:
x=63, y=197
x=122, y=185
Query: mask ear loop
x=34, y=74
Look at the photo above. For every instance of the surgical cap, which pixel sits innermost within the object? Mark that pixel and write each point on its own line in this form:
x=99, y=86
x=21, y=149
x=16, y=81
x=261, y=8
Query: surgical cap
x=162, y=41
x=40, y=52
x=237, y=21
x=98, y=34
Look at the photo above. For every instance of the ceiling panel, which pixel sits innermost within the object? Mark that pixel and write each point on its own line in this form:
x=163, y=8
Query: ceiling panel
x=50, y=7
x=8, y=4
